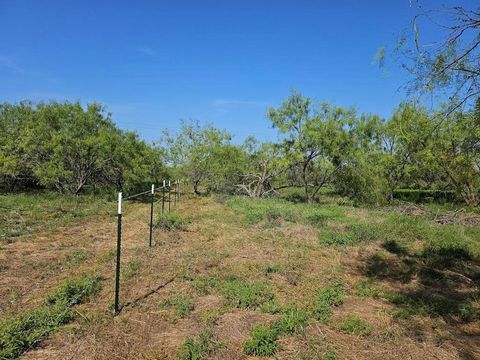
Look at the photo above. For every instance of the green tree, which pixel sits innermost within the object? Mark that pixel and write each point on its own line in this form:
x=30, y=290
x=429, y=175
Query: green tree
x=314, y=141
x=195, y=151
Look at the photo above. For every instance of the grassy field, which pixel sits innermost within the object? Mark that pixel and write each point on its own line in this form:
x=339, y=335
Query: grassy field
x=235, y=278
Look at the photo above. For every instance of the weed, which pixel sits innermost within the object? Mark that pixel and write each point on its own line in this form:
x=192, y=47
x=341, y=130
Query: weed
x=246, y=295
x=263, y=342
x=76, y=257
x=270, y=307
x=326, y=297
x=74, y=291
x=131, y=268
x=293, y=320
x=269, y=269
x=366, y=288
x=24, y=331
x=354, y=325
x=196, y=350
x=211, y=316
x=183, y=306
x=172, y=221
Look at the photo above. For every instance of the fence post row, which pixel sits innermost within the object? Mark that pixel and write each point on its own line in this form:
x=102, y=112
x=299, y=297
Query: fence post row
x=119, y=242
x=119, y=227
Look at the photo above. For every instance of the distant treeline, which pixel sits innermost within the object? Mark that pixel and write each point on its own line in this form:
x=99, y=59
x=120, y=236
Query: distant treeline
x=361, y=156
x=67, y=147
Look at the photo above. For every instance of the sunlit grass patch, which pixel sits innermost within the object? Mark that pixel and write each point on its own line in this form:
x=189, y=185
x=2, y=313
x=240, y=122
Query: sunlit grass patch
x=198, y=349
x=21, y=332
x=245, y=295
x=354, y=325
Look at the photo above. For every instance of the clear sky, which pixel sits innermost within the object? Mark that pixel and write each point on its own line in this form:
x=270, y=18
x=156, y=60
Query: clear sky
x=155, y=62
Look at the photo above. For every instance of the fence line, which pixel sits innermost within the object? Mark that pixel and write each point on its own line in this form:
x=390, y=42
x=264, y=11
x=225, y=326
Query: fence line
x=120, y=202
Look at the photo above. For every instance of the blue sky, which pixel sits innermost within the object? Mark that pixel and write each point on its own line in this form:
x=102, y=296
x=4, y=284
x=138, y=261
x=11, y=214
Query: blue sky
x=155, y=62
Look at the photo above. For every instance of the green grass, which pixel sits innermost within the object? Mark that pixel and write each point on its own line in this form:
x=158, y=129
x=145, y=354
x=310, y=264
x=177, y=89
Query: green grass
x=272, y=212
x=77, y=257
x=172, y=221
x=294, y=320
x=27, y=213
x=326, y=298
x=264, y=339
x=183, y=306
x=130, y=268
x=246, y=295
x=198, y=349
x=354, y=325
x=366, y=288
x=22, y=332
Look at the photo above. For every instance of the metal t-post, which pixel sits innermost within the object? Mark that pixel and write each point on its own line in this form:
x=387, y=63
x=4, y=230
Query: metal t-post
x=151, y=216
x=119, y=243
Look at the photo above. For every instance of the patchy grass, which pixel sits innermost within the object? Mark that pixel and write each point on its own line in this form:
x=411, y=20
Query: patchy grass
x=263, y=341
x=183, y=306
x=246, y=295
x=130, y=268
x=197, y=349
x=22, y=332
x=172, y=221
x=354, y=325
x=27, y=213
x=328, y=297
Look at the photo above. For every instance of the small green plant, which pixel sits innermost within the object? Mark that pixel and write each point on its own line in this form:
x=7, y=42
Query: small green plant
x=246, y=295
x=76, y=257
x=131, y=268
x=354, y=325
x=293, y=320
x=172, y=221
x=269, y=269
x=326, y=297
x=21, y=332
x=366, y=288
x=183, y=306
x=263, y=342
x=74, y=291
x=270, y=307
x=196, y=350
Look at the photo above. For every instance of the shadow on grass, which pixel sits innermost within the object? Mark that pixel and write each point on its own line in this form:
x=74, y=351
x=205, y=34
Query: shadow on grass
x=439, y=281
x=443, y=281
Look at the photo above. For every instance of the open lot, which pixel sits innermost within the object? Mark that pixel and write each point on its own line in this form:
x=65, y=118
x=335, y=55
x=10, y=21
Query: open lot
x=234, y=278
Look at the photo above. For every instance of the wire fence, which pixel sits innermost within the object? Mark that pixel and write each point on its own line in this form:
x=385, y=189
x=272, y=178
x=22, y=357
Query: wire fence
x=168, y=194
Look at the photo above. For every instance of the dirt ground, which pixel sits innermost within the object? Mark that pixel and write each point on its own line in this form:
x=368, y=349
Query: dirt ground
x=216, y=242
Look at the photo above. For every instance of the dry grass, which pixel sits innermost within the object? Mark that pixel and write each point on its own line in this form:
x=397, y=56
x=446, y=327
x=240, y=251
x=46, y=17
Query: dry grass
x=196, y=263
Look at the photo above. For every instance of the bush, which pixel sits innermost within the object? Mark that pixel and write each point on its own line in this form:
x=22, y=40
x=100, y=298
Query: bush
x=425, y=196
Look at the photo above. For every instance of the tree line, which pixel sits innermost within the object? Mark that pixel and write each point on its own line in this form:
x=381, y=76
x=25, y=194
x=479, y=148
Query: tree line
x=74, y=149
